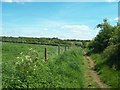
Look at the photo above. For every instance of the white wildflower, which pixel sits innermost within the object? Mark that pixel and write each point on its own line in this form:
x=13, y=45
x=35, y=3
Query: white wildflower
x=30, y=49
x=35, y=66
x=27, y=57
x=21, y=53
x=30, y=59
x=19, y=81
x=22, y=59
x=17, y=63
x=18, y=57
x=34, y=50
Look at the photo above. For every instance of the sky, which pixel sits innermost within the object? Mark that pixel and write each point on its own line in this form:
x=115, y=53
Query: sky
x=65, y=20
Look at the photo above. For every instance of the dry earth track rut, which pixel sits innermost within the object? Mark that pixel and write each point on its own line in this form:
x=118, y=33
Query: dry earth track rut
x=93, y=73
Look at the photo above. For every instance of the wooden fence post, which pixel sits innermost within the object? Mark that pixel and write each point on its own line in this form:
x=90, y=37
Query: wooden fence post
x=58, y=49
x=68, y=47
x=45, y=54
x=65, y=48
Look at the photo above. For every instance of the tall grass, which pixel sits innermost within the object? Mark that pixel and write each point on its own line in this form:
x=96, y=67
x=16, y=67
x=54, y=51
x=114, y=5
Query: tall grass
x=108, y=75
x=24, y=67
x=67, y=71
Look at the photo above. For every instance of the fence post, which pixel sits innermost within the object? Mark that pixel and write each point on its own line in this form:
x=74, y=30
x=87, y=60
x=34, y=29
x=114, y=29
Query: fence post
x=65, y=48
x=58, y=49
x=45, y=54
x=68, y=47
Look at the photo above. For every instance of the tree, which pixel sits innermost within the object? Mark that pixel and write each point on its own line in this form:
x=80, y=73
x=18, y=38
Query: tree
x=107, y=42
x=101, y=41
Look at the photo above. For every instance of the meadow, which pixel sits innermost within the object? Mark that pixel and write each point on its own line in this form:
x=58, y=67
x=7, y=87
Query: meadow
x=24, y=66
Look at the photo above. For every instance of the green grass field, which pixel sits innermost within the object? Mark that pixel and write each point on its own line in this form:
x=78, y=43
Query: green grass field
x=24, y=66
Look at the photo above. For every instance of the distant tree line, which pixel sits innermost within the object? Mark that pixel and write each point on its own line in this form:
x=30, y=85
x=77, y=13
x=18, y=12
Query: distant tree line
x=44, y=41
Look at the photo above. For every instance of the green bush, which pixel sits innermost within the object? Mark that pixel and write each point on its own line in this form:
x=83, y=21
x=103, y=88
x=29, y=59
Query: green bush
x=112, y=56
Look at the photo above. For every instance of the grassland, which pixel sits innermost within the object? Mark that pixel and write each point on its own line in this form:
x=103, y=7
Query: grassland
x=24, y=67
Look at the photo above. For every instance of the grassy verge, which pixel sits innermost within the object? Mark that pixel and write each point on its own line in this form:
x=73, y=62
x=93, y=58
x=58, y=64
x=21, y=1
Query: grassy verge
x=108, y=75
x=67, y=70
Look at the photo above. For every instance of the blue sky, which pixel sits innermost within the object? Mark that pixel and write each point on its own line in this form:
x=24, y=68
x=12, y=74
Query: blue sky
x=65, y=20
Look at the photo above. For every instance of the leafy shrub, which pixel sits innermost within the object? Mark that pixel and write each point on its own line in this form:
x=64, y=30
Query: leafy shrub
x=112, y=55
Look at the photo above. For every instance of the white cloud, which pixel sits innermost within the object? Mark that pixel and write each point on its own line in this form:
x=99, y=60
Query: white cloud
x=60, y=0
x=45, y=29
x=117, y=18
x=7, y=0
x=77, y=29
x=16, y=0
x=112, y=0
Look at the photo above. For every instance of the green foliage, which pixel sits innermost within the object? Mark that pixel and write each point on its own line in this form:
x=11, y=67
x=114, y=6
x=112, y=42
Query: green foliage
x=101, y=41
x=115, y=37
x=112, y=52
x=107, y=43
x=67, y=69
x=112, y=56
x=25, y=67
x=108, y=75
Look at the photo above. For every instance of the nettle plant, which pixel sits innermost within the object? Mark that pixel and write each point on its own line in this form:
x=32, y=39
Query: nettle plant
x=25, y=69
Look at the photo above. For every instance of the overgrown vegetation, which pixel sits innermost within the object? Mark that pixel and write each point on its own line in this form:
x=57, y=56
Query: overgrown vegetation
x=24, y=67
x=107, y=45
x=108, y=75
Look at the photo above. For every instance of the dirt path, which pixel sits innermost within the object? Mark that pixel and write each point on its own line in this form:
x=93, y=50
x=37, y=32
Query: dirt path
x=92, y=79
